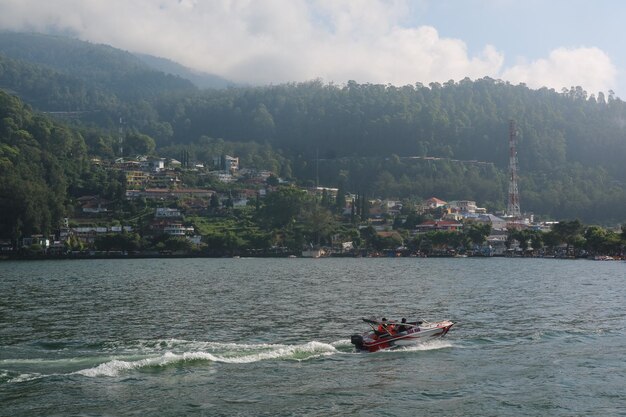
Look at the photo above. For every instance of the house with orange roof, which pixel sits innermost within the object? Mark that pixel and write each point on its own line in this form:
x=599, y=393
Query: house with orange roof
x=434, y=202
x=441, y=225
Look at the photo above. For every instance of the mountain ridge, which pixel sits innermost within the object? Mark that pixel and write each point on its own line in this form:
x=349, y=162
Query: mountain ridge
x=199, y=78
x=99, y=66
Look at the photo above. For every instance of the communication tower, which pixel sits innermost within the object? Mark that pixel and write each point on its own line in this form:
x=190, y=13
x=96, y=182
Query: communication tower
x=513, y=208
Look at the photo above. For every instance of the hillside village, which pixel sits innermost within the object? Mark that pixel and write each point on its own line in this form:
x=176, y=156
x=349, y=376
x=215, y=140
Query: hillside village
x=160, y=214
x=250, y=170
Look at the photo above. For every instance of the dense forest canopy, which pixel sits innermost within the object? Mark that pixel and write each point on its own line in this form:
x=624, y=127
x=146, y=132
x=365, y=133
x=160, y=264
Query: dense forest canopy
x=100, y=67
x=413, y=141
x=467, y=120
x=38, y=161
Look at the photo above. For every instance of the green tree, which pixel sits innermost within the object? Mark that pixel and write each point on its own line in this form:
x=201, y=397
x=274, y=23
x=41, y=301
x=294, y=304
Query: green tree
x=340, y=200
x=272, y=180
x=477, y=232
x=318, y=223
x=283, y=206
x=118, y=242
x=139, y=144
x=178, y=244
x=595, y=238
x=569, y=232
x=214, y=202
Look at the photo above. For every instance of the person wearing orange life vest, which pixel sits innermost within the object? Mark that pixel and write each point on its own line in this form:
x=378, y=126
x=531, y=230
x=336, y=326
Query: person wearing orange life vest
x=382, y=327
x=385, y=329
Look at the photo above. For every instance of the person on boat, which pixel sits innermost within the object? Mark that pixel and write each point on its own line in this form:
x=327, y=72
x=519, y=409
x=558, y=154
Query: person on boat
x=402, y=327
x=382, y=327
x=385, y=328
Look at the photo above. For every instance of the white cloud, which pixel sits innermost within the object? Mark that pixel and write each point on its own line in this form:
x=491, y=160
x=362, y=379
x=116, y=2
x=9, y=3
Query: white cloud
x=405, y=56
x=275, y=41
x=590, y=68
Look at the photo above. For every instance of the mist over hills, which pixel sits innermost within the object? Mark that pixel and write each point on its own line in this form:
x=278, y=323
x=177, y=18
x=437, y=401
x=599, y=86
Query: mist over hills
x=414, y=141
x=200, y=79
x=102, y=64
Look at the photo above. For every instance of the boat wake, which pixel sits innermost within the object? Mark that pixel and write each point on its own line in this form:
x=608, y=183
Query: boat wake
x=427, y=345
x=116, y=358
x=236, y=354
x=112, y=359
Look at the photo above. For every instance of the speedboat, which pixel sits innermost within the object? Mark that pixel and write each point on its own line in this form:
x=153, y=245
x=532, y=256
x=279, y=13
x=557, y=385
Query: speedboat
x=411, y=333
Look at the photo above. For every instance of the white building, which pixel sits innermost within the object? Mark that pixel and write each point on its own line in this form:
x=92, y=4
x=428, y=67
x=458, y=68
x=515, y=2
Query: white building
x=167, y=213
x=223, y=176
x=465, y=206
x=177, y=229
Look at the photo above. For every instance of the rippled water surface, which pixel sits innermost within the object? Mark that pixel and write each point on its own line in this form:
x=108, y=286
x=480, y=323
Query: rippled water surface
x=271, y=337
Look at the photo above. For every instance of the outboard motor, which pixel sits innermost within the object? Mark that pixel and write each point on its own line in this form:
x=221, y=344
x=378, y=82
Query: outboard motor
x=357, y=340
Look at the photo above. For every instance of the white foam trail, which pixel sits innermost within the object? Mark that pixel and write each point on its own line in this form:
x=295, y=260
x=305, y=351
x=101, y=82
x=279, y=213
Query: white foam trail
x=114, y=367
x=307, y=351
x=27, y=377
x=342, y=342
x=430, y=345
x=181, y=344
x=43, y=361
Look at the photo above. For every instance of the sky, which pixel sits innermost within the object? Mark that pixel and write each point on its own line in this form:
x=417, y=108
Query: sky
x=550, y=43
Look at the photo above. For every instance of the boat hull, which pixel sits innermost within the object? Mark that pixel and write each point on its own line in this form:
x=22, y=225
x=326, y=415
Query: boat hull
x=370, y=342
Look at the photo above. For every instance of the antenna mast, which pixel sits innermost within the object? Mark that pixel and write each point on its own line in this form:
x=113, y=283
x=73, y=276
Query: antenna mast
x=513, y=208
x=317, y=167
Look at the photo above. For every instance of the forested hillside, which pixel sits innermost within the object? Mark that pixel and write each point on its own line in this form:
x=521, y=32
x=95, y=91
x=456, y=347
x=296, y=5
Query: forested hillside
x=570, y=149
x=200, y=79
x=49, y=90
x=101, y=67
x=449, y=140
x=466, y=120
x=42, y=165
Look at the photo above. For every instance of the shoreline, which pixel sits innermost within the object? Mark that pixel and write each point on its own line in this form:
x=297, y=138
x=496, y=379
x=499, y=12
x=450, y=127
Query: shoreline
x=86, y=256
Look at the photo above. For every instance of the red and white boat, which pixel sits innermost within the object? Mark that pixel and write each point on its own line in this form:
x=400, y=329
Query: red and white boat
x=390, y=334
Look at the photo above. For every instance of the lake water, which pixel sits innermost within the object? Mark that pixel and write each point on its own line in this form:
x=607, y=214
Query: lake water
x=270, y=337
